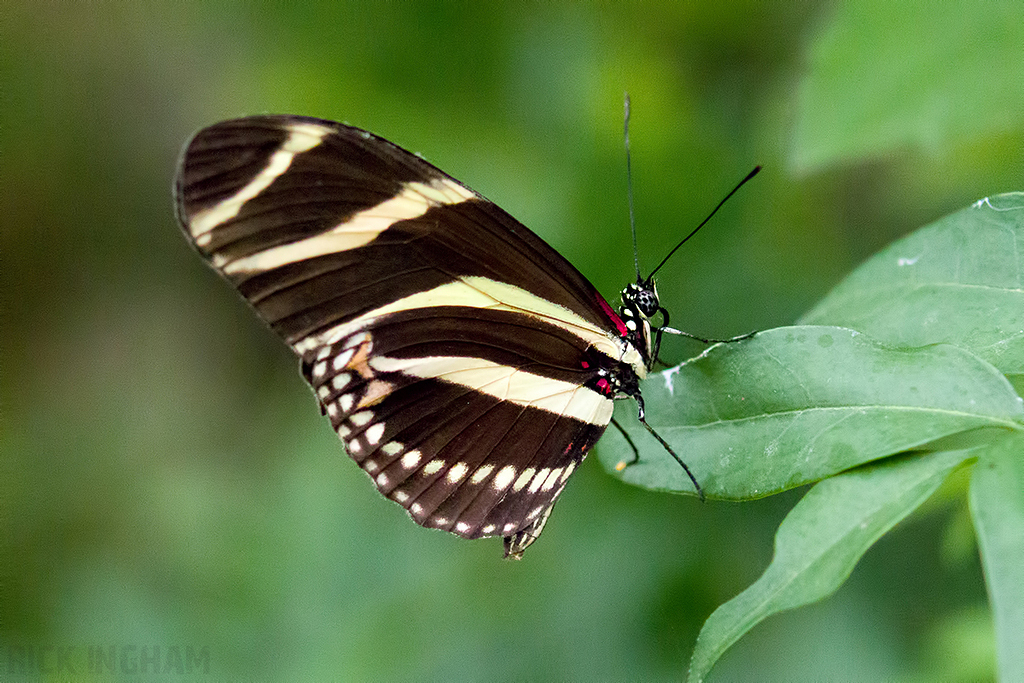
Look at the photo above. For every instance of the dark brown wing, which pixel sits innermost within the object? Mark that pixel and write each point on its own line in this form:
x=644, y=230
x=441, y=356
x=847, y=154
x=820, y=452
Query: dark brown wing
x=455, y=352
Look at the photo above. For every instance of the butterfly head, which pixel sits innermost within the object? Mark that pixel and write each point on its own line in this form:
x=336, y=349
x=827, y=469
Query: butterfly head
x=643, y=296
x=639, y=304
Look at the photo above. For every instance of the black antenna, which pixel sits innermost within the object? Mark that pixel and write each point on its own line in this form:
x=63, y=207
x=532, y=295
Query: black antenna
x=702, y=224
x=629, y=192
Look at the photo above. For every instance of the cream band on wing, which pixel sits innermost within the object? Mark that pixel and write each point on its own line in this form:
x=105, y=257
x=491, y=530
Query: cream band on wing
x=506, y=383
x=302, y=137
x=481, y=292
x=413, y=201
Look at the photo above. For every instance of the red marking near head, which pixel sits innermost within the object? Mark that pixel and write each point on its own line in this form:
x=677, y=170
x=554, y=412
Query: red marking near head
x=585, y=364
x=613, y=316
x=603, y=385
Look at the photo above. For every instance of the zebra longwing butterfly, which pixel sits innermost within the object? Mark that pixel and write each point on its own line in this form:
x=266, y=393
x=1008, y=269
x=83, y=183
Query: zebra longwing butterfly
x=466, y=365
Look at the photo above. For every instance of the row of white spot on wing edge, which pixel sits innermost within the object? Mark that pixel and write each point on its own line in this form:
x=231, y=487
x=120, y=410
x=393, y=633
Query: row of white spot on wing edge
x=543, y=479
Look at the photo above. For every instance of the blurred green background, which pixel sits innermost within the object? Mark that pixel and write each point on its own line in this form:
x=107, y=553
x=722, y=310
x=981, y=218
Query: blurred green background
x=166, y=480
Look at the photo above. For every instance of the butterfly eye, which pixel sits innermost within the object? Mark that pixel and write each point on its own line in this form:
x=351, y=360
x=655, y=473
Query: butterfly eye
x=647, y=302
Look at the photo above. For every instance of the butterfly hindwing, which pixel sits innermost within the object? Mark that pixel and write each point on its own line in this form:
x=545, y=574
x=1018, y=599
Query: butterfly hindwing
x=457, y=355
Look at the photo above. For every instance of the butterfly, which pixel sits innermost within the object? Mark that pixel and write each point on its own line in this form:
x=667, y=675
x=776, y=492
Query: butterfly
x=465, y=364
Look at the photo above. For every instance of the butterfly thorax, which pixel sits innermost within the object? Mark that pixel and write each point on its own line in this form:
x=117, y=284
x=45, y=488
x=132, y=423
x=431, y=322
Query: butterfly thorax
x=614, y=379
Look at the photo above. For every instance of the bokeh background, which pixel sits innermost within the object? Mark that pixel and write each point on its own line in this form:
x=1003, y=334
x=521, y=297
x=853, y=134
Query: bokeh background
x=165, y=478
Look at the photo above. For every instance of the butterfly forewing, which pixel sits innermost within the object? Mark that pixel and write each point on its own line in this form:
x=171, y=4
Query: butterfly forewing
x=459, y=357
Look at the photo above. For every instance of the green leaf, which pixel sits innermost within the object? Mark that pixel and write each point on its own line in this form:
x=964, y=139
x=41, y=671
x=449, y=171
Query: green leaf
x=997, y=506
x=883, y=75
x=821, y=540
x=958, y=281
x=795, y=405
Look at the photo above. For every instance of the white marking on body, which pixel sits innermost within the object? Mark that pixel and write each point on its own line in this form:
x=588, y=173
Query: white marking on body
x=433, y=467
x=482, y=292
x=392, y=448
x=462, y=527
x=414, y=200
x=332, y=410
x=382, y=480
x=324, y=352
x=342, y=359
x=549, y=483
x=488, y=529
x=411, y=459
x=370, y=466
x=346, y=401
x=481, y=474
x=319, y=369
x=416, y=509
x=354, y=446
x=542, y=474
x=344, y=431
x=361, y=418
x=503, y=478
x=440, y=521
x=535, y=511
x=339, y=382
x=302, y=137
x=323, y=392
x=457, y=472
x=568, y=470
x=400, y=496
x=507, y=384
x=508, y=528
x=525, y=477
x=374, y=433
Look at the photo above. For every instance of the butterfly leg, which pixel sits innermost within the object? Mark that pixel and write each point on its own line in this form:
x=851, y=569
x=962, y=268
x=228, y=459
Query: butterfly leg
x=664, y=444
x=730, y=340
x=658, y=331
